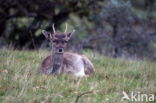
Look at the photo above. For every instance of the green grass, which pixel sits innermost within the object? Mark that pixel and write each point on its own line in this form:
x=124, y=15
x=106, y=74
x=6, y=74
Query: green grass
x=21, y=82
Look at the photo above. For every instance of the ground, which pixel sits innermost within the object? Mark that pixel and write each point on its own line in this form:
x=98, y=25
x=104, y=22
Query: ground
x=21, y=81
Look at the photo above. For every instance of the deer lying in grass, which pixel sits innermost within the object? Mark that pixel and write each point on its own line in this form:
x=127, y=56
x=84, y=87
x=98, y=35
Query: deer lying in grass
x=64, y=62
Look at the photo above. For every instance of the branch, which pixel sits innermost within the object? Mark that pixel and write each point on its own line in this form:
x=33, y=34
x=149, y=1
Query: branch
x=80, y=95
x=24, y=10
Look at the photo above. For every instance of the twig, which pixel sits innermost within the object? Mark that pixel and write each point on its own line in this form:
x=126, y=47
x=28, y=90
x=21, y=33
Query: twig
x=80, y=95
x=32, y=40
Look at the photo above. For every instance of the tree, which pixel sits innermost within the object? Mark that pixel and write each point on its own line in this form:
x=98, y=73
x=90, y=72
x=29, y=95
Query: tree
x=37, y=13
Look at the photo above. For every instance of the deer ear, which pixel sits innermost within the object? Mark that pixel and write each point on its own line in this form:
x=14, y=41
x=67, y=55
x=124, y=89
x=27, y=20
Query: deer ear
x=70, y=33
x=47, y=34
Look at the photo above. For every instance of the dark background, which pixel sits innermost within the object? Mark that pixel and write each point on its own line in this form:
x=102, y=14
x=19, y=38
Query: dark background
x=116, y=28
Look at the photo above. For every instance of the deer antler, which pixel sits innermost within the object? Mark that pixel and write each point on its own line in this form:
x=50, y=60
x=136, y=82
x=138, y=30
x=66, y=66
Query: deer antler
x=73, y=31
x=53, y=28
x=66, y=28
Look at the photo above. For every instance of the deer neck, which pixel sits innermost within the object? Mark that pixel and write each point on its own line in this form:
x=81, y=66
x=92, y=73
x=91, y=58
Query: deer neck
x=57, y=61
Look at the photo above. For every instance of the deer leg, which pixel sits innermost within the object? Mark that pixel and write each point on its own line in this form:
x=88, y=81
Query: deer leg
x=56, y=69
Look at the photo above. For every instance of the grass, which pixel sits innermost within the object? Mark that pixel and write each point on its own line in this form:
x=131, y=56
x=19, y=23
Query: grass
x=21, y=82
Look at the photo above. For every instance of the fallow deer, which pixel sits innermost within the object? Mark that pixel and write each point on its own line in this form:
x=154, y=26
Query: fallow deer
x=60, y=61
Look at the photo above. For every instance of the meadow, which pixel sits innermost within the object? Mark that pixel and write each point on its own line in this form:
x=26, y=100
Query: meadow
x=21, y=81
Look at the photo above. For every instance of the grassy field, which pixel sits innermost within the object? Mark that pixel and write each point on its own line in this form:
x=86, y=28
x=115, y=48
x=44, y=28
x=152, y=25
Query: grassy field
x=21, y=82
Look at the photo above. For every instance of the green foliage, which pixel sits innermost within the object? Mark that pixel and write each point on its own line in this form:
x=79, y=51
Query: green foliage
x=111, y=27
x=21, y=21
x=20, y=80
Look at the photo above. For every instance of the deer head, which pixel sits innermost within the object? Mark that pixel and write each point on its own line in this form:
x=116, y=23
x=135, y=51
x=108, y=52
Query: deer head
x=58, y=39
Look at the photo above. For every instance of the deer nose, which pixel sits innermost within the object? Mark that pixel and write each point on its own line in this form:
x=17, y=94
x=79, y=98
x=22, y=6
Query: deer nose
x=60, y=50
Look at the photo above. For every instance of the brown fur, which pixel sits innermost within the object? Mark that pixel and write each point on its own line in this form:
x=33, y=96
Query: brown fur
x=69, y=65
x=64, y=62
